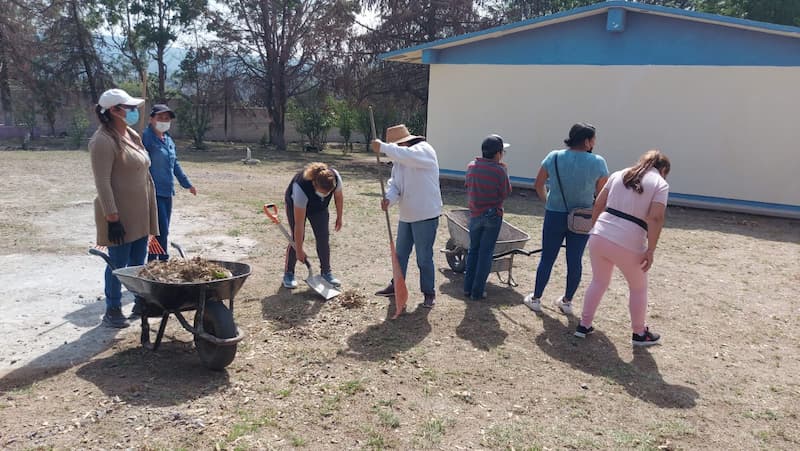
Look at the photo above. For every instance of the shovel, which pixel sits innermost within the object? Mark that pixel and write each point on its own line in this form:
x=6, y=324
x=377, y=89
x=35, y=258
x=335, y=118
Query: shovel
x=315, y=281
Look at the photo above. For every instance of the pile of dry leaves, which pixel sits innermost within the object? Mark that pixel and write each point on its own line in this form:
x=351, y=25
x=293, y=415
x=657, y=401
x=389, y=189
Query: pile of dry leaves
x=184, y=271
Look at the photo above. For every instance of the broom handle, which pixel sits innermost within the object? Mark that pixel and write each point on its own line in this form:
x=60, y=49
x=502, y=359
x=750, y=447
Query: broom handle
x=380, y=173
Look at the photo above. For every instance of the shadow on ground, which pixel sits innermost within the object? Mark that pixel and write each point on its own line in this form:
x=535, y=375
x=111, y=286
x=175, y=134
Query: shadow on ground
x=170, y=376
x=291, y=308
x=597, y=356
x=480, y=325
x=390, y=337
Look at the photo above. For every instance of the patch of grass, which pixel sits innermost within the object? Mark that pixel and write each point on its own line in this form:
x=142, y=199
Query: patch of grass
x=674, y=429
x=352, y=387
x=284, y=393
x=329, y=405
x=247, y=426
x=765, y=415
x=234, y=232
x=298, y=441
x=386, y=402
x=511, y=436
x=634, y=440
x=375, y=441
x=388, y=419
x=433, y=431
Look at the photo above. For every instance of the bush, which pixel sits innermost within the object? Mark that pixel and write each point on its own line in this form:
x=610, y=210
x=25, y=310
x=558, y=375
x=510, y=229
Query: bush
x=77, y=129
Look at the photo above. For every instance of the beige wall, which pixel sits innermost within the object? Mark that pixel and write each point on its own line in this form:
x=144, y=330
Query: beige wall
x=729, y=131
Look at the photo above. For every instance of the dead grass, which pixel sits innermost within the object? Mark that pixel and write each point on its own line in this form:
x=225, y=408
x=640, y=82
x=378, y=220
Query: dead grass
x=465, y=375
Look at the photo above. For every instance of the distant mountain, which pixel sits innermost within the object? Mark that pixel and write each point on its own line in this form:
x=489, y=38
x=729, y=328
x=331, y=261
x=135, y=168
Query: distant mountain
x=172, y=58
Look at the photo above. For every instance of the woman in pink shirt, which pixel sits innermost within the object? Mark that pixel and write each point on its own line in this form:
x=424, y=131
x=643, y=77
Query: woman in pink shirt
x=628, y=217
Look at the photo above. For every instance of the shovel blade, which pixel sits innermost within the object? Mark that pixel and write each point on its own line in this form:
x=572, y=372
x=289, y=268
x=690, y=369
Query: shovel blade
x=322, y=287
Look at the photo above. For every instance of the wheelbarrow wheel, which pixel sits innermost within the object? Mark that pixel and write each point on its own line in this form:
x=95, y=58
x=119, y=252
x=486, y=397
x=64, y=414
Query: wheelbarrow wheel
x=217, y=321
x=456, y=257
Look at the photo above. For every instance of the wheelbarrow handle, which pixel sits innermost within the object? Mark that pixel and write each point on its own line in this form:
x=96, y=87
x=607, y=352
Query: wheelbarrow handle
x=104, y=256
x=271, y=210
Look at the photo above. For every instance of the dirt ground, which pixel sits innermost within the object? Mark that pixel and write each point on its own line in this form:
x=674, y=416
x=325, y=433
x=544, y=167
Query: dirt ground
x=340, y=375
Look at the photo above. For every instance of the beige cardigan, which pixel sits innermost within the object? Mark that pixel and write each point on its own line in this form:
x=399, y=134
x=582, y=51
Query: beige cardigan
x=124, y=185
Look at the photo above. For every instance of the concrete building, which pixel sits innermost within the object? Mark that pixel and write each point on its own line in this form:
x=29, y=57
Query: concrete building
x=718, y=95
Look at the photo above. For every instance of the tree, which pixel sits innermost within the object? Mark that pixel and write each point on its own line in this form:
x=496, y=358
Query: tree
x=346, y=119
x=284, y=45
x=196, y=91
x=785, y=12
x=313, y=114
x=159, y=24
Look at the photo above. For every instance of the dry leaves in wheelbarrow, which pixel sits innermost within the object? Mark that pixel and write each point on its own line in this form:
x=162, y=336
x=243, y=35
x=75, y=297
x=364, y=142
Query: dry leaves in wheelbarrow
x=193, y=270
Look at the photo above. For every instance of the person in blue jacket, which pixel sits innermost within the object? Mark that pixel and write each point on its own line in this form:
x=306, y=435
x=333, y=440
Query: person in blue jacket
x=163, y=167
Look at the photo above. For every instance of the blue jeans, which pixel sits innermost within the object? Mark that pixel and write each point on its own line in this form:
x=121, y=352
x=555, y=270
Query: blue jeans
x=483, y=233
x=420, y=235
x=128, y=254
x=164, y=216
x=554, y=231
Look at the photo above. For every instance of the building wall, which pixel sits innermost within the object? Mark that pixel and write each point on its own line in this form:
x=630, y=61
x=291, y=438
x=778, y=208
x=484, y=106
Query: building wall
x=730, y=132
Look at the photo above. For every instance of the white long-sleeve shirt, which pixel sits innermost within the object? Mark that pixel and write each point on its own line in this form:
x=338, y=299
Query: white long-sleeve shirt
x=414, y=184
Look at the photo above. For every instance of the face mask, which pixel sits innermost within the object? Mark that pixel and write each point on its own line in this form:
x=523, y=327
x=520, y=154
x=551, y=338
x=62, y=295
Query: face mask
x=132, y=117
x=162, y=126
x=321, y=195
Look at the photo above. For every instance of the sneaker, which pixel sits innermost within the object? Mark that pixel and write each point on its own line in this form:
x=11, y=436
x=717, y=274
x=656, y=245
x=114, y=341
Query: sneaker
x=388, y=291
x=331, y=279
x=646, y=339
x=564, y=307
x=534, y=304
x=114, y=318
x=582, y=332
x=136, y=311
x=483, y=296
x=288, y=281
x=430, y=300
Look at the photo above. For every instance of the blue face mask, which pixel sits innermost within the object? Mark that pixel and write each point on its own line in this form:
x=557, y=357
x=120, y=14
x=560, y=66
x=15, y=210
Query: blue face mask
x=321, y=195
x=132, y=117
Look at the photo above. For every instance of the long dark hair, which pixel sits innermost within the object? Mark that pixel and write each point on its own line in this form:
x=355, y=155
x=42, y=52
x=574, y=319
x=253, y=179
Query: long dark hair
x=632, y=178
x=579, y=133
x=104, y=116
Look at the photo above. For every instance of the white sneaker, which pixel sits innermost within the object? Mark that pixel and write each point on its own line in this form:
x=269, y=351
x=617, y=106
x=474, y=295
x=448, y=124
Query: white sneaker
x=564, y=307
x=533, y=304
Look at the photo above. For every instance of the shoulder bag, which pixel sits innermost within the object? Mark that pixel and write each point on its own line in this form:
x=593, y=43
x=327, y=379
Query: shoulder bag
x=579, y=220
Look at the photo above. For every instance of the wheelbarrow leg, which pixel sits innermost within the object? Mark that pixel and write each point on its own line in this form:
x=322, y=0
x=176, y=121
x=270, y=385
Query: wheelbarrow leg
x=145, y=334
x=161, y=328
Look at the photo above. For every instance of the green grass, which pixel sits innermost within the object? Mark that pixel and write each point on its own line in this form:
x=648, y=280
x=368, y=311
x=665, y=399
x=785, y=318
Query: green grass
x=248, y=425
x=298, y=441
x=388, y=419
x=375, y=441
x=432, y=431
x=511, y=436
x=352, y=387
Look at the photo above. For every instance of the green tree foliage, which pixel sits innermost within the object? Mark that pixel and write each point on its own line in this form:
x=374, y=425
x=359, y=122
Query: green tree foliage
x=784, y=12
x=313, y=114
x=346, y=118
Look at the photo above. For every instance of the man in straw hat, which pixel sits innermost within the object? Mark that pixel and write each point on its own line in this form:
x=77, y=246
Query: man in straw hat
x=414, y=188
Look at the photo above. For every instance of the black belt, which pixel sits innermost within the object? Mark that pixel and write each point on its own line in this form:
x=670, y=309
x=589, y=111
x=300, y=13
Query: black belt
x=630, y=218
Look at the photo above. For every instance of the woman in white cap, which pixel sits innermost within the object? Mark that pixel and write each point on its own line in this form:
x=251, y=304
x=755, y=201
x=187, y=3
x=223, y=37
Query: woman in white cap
x=125, y=207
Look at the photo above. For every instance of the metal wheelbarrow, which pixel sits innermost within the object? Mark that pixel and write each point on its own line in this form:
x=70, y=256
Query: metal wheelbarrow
x=510, y=242
x=215, y=332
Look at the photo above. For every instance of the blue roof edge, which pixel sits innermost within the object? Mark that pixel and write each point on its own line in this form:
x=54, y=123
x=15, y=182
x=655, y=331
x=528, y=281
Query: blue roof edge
x=599, y=7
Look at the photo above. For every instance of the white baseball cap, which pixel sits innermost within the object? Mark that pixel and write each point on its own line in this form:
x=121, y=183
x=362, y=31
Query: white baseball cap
x=117, y=96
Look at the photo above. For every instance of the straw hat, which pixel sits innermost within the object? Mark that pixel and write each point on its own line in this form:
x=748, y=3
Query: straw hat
x=400, y=134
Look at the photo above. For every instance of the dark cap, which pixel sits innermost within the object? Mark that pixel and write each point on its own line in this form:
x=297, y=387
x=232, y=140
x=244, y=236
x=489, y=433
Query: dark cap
x=493, y=144
x=161, y=108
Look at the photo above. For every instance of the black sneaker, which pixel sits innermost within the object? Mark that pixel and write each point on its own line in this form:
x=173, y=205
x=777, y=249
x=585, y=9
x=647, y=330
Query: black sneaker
x=430, y=300
x=388, y=291
x=646, y=339
x=114, y=318
x=582, y=332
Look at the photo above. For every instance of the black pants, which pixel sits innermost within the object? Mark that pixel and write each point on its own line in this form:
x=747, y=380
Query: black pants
x=320, y=226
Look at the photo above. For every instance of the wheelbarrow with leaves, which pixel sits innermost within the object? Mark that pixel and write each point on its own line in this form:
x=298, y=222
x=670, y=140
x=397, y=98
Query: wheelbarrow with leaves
x=215, y=332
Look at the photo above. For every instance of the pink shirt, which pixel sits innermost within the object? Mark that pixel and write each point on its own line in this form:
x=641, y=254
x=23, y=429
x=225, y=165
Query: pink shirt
x=621, y=231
